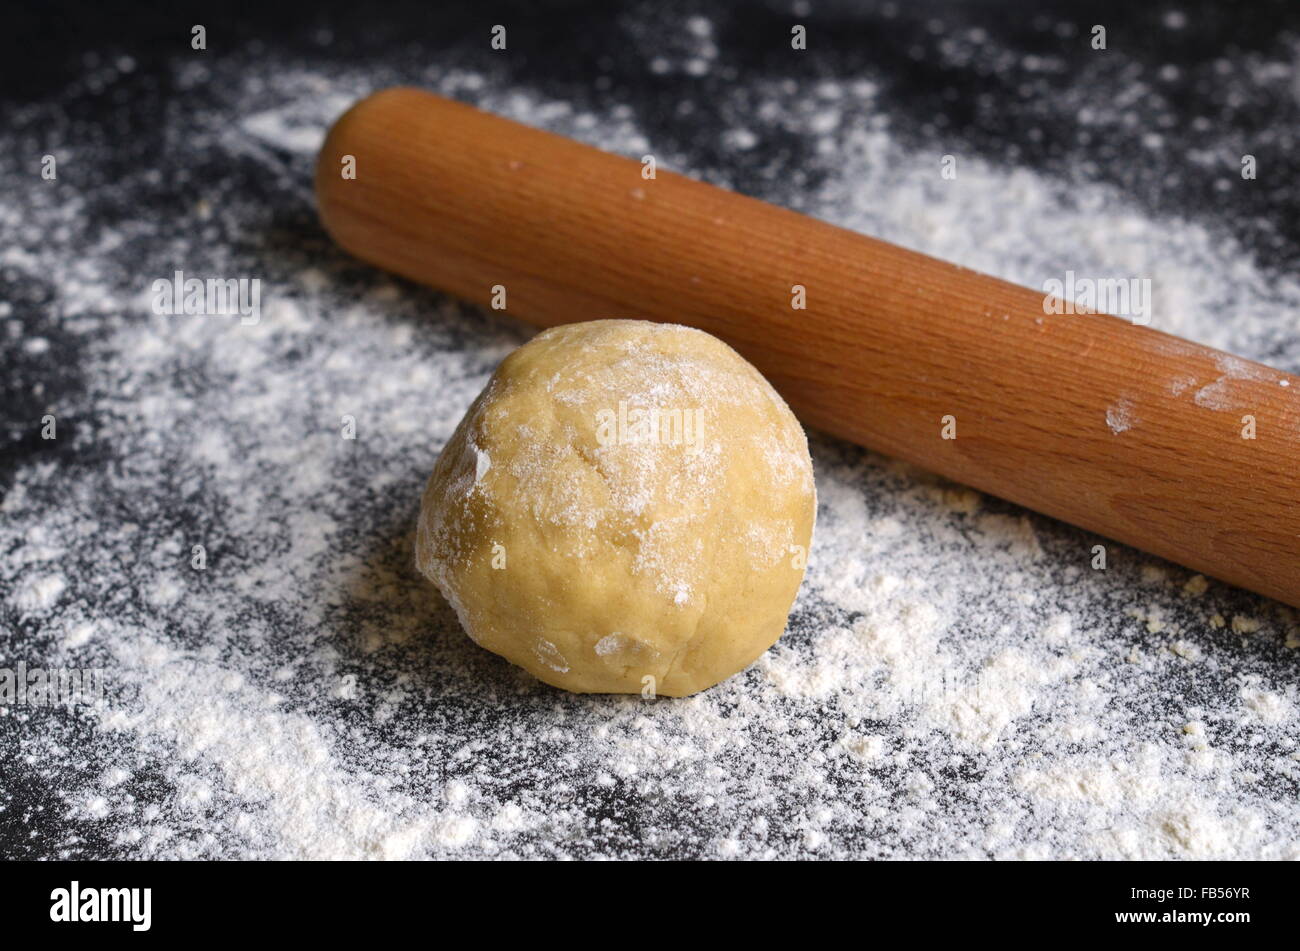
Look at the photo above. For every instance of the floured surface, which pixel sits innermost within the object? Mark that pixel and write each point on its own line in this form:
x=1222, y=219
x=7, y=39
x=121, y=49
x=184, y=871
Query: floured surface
x=956, y=681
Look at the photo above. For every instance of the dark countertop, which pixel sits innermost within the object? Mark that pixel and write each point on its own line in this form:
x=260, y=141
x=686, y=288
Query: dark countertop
x=139, y=146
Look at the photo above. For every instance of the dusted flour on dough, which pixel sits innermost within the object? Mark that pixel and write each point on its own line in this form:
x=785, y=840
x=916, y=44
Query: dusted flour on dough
x=646, y=523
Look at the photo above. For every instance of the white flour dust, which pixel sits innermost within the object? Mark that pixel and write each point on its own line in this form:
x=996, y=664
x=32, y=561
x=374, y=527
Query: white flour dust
x=957, y=679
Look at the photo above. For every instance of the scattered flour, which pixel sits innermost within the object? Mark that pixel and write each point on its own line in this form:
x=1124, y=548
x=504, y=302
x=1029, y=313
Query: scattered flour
x=957, y=680
x=1119, y=417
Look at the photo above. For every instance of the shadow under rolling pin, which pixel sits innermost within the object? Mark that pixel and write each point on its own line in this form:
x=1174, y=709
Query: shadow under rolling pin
x=1120, y=429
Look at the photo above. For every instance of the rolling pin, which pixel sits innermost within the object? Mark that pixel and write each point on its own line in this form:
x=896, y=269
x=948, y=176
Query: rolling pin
x=1186, y=452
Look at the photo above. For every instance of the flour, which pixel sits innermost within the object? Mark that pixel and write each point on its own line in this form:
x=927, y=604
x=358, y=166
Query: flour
x=957, y=680
x=1119, y=417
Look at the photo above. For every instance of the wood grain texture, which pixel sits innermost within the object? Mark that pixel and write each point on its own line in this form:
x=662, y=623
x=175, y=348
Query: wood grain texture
x=1118, y=428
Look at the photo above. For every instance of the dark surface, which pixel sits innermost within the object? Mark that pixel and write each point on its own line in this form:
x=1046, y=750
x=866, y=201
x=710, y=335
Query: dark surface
x=573, y=51
x=568, y=46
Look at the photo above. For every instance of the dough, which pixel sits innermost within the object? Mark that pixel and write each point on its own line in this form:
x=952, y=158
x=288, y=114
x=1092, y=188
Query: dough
x=626, y=508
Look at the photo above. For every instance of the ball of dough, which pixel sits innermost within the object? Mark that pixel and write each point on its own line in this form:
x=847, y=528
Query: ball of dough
x=626, y=508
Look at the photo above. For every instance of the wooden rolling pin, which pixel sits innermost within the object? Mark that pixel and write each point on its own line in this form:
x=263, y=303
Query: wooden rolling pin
x=1125, y=431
